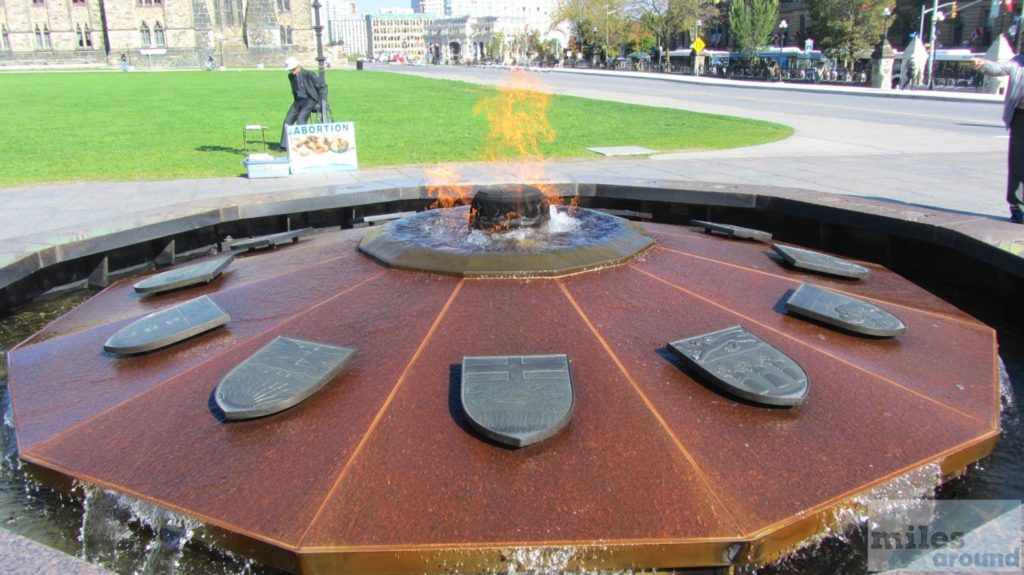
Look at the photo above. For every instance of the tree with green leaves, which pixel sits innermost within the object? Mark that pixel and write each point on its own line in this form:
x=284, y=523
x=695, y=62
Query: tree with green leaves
x=752, y=24
x=602, y=23
x=849, y=29
x=664, y=18
x=495, y=47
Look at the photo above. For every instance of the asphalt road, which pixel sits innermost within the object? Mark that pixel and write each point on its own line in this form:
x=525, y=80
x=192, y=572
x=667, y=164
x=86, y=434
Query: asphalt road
x=906, y=147
x=743, y=99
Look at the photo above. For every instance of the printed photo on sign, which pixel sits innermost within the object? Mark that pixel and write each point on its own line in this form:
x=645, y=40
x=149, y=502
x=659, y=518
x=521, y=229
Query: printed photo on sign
x=322, y=147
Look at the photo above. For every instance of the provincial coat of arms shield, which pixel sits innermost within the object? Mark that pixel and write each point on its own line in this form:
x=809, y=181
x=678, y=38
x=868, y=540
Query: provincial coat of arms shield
x=744, y=365
x=517, y=400
x=283, y=373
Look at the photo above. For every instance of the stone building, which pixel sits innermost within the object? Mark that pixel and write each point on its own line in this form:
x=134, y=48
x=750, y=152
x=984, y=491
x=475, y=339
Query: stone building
x=975, y=26
x=155, y=33
x=435, y=7
x=348, y=35
x=389, y=35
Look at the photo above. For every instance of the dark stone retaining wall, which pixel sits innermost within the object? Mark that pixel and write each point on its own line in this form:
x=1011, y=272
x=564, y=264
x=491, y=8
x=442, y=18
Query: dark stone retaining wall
x=959, y=256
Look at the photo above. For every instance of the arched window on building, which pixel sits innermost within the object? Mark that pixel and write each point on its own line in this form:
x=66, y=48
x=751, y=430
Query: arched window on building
x=5, y=38
x=145, y=38
x=217, y=19
x=290, y=35
x=287, y=6
x=284, y=36
x=229, y=13
x=88, y=36
x=158, y=33
x=39, y=37
x=46, y=37
x=81, y=36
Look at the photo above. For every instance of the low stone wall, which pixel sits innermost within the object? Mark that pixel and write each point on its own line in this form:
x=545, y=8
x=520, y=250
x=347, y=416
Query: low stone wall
x=62, y=58
x=172, y=59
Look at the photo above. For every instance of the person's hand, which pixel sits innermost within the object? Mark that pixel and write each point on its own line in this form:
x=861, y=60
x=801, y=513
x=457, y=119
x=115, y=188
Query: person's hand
x=978, y=63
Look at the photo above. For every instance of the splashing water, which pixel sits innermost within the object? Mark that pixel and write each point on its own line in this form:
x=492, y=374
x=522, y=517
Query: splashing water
x=568, y=228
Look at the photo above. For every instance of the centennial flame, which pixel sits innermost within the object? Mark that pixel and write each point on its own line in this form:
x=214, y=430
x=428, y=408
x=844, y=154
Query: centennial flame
x=518, y=127
x=518, y=119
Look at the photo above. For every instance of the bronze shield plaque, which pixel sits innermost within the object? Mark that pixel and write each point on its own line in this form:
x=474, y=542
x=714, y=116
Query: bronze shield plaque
x=517, y=400
x=167, y=326
x=742, y=364
x=269, y=241
x=733, y=231
x=280, y=375
x=843, y=311
x=185, y=276
x=811, y=260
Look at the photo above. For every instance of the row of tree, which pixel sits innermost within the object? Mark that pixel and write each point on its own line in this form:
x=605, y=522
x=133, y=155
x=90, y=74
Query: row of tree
x=844, y=29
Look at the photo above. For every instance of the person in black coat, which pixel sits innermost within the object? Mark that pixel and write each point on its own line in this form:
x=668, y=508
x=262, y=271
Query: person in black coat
x=306, y=94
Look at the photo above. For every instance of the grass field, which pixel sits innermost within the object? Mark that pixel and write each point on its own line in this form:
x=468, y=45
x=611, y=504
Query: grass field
x=110, y=126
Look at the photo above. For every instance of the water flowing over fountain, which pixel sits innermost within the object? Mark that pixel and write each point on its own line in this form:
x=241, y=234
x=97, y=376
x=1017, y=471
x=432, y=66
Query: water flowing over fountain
x=370, y=472
x=653, y=461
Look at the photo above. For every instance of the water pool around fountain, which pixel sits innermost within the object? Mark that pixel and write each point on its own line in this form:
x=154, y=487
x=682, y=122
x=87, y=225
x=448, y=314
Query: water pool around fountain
x=570, y=241
x=686, y=268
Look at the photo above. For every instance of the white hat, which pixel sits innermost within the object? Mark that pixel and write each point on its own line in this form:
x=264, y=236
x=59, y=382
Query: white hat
x=291, y=63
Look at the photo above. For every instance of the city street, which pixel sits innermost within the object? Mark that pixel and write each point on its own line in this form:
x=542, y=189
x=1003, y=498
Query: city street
x=909, y=146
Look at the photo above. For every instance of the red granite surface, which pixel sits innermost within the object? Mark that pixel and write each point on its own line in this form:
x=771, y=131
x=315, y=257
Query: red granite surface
x=382, y=462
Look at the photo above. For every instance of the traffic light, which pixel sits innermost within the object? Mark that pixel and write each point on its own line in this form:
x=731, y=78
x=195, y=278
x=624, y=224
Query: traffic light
x=953, y=13
x=1009, y=5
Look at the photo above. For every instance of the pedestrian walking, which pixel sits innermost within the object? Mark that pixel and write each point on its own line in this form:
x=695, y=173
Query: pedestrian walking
x=124, y=62
x=1013, y=119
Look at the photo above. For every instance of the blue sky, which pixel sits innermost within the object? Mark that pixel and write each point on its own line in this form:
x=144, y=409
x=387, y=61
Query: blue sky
x=374, y=6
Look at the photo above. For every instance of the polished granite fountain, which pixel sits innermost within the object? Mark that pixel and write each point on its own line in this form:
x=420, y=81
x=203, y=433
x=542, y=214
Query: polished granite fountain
x=656, y=458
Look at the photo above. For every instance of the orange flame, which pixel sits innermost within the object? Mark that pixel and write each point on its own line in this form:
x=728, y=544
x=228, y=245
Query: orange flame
x=518, y=119
x=447, y=187
x=518, y=126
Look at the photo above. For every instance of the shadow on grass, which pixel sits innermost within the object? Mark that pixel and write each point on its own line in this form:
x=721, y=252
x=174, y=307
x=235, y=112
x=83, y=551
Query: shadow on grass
x=235, y=151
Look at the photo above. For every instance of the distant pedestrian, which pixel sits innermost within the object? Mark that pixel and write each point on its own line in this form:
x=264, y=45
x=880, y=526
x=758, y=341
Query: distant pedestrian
x=306, y=96
x=124, y=62
x=209, y=62
x=1013, y=118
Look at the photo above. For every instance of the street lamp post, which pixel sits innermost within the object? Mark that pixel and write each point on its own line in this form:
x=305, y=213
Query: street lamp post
x=318, y=29
x=937, y=17
x=607, y=35
x=696, y=53
x=783, y=26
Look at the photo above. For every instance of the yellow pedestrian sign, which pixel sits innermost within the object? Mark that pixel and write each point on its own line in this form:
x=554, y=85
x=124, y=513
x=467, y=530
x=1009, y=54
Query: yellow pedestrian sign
x=699, y=45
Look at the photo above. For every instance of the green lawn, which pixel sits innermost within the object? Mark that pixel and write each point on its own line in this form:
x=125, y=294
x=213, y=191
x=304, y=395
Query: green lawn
x=143, y=126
